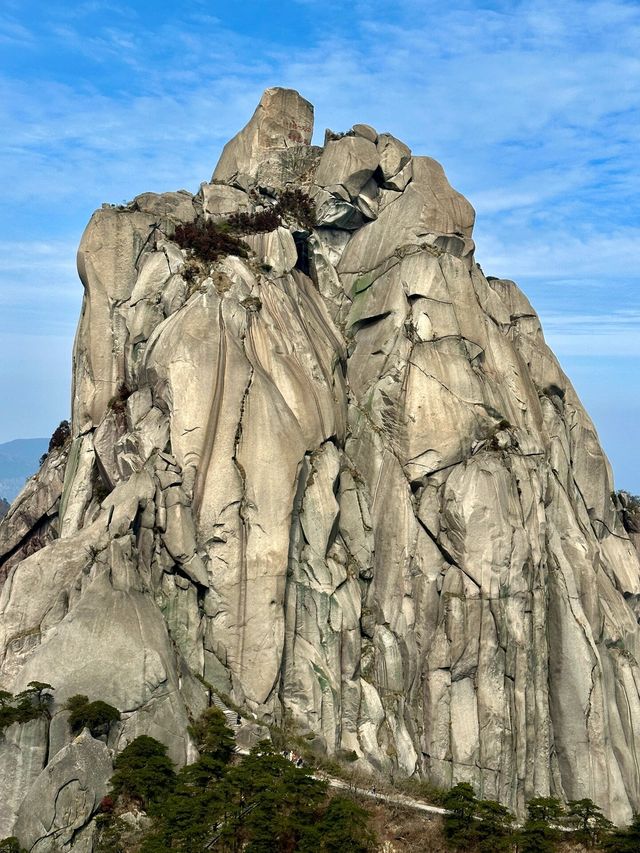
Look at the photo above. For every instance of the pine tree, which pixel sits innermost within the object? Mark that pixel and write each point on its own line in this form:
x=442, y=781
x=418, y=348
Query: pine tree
x=538, y=835
x=143, y=771
x=277, y=800
x=213, y=738
x=460, y=823
x=344, y=826
x=96, y=716
x=546, y=809
x=494, y=828
x=592, y=824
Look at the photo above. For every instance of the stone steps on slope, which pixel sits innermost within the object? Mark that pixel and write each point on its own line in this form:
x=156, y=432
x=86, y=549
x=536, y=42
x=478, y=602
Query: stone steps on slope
x=231, y=717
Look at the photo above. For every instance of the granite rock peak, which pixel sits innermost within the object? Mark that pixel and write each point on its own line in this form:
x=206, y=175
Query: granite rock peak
x=337, y=475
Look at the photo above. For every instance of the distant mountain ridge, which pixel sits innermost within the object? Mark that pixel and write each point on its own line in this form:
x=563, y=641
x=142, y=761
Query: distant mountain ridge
x=19, y=459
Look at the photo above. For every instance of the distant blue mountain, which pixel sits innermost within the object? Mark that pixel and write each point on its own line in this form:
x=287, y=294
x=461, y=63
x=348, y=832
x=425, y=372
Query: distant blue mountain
x=19, y=459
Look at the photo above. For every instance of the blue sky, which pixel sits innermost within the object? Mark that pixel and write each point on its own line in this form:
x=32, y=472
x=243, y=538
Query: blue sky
x=533, y=108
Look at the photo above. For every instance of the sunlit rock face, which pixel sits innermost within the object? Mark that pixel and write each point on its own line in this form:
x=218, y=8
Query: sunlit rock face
x=343, y=480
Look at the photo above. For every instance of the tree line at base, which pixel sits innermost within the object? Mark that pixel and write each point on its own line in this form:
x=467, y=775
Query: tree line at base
x=487, y=826
x=265, y=804
x=261, y=803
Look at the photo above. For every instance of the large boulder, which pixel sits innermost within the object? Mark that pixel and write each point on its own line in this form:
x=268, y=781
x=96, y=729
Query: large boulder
x=64, y=797
x=349, y=162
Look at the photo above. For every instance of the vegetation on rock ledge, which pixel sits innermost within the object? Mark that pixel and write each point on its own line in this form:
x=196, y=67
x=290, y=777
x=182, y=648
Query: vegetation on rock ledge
x=96, y=716
x=11, y=845
x=61, y=435
x=630, y=511
x=30, y=704
x=213, y=239
x=292, y=204
x=209, y=240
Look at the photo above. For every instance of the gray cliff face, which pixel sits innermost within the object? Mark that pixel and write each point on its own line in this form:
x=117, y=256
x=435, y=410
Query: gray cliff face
x=350, y=486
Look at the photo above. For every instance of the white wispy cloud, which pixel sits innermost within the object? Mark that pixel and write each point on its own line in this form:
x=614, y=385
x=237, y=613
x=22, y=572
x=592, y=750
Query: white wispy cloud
x=14, y=33
x=40, y=292
x=594, y=341
x=562, y=254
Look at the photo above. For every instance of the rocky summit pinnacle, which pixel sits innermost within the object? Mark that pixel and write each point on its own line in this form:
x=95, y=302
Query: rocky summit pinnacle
x=321, y=464
x=282, y=120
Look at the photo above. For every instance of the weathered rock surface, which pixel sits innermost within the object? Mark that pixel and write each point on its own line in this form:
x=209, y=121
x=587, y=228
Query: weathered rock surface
x=282, y=120
x=31, y=521
x=64, y=797
x=343, y=480
x=23, y=754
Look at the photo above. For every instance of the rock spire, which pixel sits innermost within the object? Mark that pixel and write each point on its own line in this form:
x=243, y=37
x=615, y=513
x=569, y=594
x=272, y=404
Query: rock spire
x=335, y=473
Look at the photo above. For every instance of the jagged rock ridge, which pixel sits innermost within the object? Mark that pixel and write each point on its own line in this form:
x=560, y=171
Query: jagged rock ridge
x=343, y=480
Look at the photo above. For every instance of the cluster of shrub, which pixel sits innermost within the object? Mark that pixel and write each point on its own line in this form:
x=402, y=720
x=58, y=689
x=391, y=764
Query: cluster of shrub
x=11, y=845
x=291, y=204
x=265, y=803
x=61, y=434
x=260, y=803
x=487, y=826
x=30, y=704
x=210, y=240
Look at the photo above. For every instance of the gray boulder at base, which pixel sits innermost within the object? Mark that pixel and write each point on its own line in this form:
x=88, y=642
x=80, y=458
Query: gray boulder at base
x=64, y=797
x=343, y=480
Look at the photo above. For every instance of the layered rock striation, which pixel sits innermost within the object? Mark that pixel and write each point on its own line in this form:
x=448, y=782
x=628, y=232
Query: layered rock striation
x=341, y=479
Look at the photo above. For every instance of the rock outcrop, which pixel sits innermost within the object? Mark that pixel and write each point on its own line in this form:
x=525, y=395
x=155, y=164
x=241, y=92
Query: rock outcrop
x=342, y=479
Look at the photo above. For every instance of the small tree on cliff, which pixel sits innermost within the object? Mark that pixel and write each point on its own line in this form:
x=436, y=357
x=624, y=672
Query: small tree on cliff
x=96, y=716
